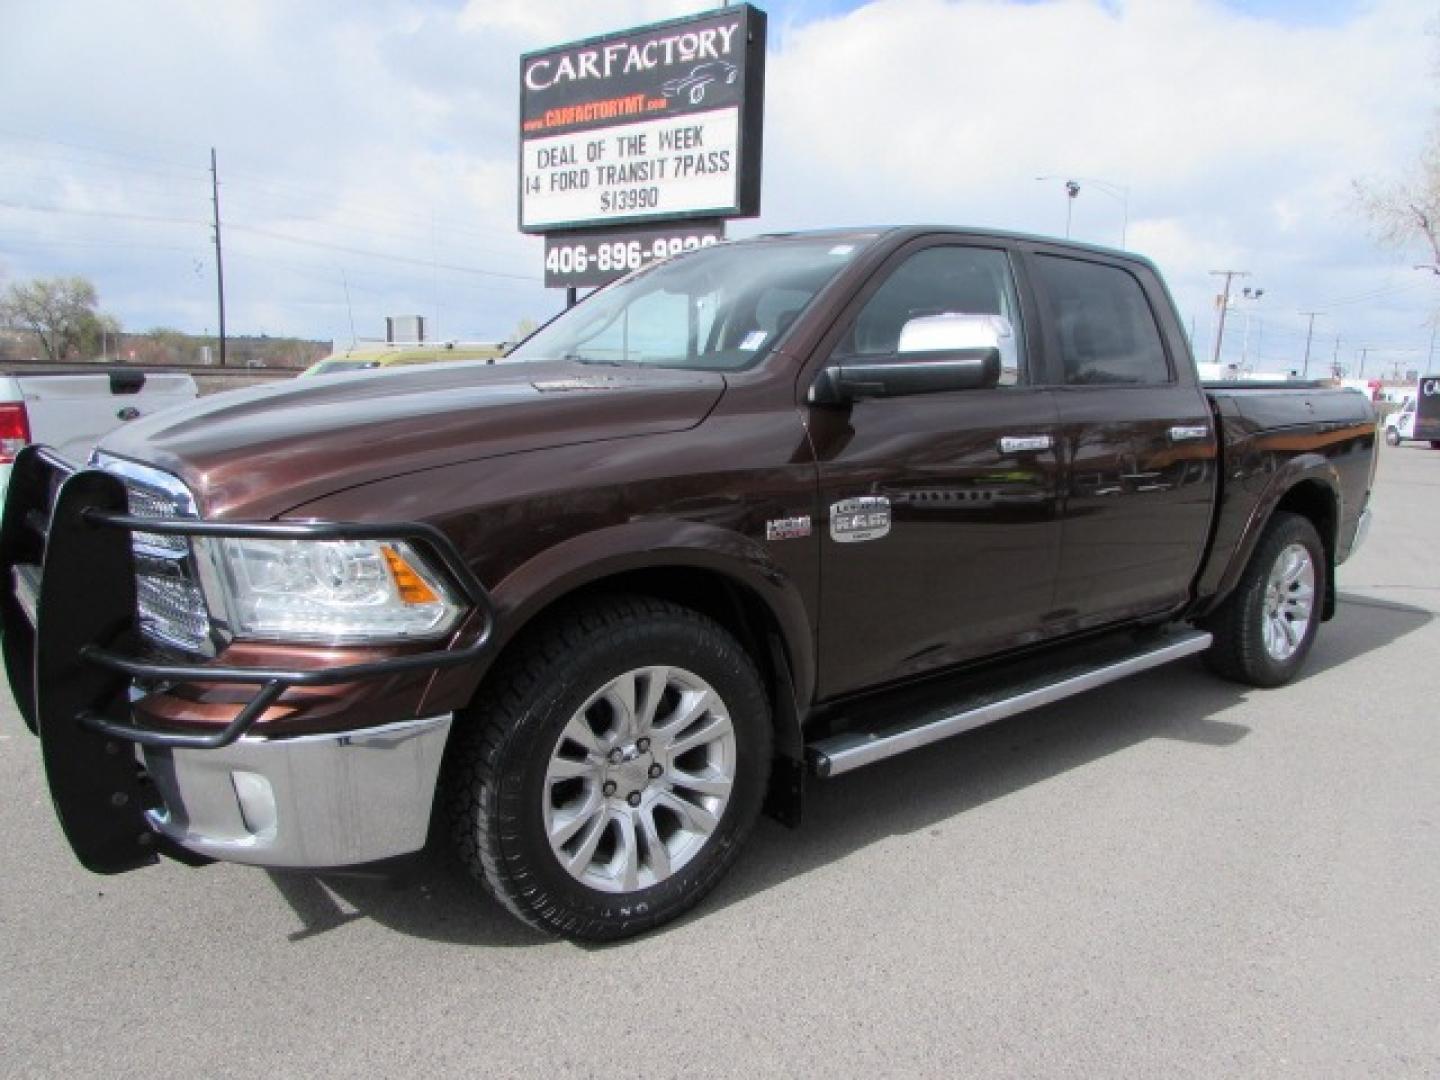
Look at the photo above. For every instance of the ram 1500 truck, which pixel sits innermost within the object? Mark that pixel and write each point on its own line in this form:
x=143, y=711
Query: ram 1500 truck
x=774, y=508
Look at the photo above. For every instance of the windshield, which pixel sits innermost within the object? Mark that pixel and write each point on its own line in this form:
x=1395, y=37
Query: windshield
x=720, y=308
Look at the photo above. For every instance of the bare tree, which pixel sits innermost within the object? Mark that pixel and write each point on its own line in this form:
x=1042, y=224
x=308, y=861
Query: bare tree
x=60, y=312
x=1403, y=212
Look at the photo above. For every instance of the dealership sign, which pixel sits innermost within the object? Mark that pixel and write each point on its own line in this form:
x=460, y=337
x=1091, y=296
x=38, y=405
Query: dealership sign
x=659, y=123
x=597, y=256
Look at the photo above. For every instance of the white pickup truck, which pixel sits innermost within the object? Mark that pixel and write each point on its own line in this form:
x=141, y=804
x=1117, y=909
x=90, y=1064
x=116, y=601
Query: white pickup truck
x=71, y=409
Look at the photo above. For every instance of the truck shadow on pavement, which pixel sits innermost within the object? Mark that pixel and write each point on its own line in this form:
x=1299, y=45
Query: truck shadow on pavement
x=429, y=896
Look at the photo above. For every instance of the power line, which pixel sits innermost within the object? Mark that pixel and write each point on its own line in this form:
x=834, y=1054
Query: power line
x=383, y=255
x=102, y=150
x=364, y=252
x=121, y=215
x=1375, y=294
x=259, y=182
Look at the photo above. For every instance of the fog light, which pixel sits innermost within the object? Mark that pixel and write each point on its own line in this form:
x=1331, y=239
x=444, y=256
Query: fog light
x=257, y=803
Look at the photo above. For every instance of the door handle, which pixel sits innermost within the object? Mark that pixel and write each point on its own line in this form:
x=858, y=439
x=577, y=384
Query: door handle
x=1189, y=432
x=1016, y=444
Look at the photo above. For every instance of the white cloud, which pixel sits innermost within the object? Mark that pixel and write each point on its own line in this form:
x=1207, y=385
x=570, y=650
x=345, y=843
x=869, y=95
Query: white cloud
x=389, y=128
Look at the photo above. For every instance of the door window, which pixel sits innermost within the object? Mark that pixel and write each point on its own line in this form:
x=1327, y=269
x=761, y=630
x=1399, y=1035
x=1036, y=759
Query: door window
x=935, y=281
x=1106, y=329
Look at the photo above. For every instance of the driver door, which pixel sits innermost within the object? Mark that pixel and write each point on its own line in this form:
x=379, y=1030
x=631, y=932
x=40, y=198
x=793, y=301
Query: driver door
x=939, y=528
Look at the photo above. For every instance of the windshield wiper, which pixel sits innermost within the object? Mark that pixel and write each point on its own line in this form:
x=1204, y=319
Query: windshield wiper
x=595, y=360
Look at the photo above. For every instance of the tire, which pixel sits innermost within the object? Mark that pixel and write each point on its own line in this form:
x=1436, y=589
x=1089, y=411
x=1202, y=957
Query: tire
x=1392, y=437
x=1265, y=628
x=554, y=763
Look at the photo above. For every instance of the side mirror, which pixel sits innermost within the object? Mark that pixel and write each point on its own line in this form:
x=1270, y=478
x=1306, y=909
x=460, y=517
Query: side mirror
x=935, y=354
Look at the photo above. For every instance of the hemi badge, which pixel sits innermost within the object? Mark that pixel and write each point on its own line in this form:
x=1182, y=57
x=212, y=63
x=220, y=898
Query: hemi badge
x=791, y=528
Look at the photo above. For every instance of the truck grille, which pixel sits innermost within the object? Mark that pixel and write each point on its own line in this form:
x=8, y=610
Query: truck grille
x=170, y=604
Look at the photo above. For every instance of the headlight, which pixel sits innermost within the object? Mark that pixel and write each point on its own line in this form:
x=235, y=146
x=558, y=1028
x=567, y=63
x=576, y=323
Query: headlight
x=333, y=591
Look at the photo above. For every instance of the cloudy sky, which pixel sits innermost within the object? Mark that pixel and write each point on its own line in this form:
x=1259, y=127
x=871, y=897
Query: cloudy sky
x=370, y=145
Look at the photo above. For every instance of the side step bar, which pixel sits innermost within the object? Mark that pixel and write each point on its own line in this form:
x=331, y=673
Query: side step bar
x=836, y=754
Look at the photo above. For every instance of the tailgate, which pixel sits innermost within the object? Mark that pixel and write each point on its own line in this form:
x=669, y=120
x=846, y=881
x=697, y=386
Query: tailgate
x=73, y=412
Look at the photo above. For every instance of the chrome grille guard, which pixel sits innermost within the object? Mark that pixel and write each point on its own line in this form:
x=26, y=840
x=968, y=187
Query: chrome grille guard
x=71, y=669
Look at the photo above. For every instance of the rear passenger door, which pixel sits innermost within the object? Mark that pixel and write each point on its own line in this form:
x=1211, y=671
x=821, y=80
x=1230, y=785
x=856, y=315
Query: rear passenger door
x=1137, y=441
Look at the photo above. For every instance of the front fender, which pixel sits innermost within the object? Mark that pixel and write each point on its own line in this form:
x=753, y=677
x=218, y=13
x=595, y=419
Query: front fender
x=593, y=557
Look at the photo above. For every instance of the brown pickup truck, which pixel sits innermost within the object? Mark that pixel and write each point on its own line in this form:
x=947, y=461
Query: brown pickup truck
x=773, y=509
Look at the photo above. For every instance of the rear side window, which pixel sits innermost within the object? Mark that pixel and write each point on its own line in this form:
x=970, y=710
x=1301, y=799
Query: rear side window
x=1106, y=329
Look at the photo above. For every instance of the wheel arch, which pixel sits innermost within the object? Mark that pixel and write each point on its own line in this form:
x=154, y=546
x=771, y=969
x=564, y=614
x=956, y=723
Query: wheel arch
x=733, y=604
x=724, y=575
x=1309, y=487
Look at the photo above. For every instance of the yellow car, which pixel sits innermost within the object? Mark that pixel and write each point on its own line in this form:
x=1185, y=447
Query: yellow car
x=365, y=357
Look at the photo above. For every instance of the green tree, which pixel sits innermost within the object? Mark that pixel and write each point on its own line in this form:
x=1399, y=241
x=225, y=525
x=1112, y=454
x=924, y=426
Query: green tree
x=61, y=313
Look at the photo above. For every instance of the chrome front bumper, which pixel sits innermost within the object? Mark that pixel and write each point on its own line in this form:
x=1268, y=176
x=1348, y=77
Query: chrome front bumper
x=307, y=801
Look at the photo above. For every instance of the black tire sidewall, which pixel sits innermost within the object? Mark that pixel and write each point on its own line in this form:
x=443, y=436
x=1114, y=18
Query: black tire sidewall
x=1284, y=530
x=675, y=640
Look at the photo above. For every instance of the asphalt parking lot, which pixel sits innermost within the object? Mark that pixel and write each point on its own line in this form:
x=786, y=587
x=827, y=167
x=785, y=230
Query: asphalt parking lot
x=1170, y=876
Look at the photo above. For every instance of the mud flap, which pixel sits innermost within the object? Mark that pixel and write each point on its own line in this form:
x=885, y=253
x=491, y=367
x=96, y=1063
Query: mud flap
x=87, y=596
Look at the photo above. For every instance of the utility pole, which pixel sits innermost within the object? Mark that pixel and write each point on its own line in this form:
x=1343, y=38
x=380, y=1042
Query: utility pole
x=350, y=309
x=1309, y=333
x=219, y=263
x=1229, y=276
x=1363, y=352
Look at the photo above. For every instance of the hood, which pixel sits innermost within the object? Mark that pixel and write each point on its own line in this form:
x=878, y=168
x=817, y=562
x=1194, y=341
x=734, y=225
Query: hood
x=257, y=453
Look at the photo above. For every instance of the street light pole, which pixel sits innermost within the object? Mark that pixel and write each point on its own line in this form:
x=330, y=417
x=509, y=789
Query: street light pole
x=1119, y=192
x=1251, y=296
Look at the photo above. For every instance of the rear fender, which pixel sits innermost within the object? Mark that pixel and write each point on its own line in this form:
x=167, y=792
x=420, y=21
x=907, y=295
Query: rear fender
x=1301, y=469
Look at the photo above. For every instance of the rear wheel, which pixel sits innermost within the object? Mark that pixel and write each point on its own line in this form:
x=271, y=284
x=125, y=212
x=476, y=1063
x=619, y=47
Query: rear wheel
x=1392, y=437
x=1265, y=628
x=612, y=769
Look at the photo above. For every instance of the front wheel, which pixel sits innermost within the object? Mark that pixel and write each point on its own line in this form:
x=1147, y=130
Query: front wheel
x=1392, y=437
x=1264, y=629
x=611, y=769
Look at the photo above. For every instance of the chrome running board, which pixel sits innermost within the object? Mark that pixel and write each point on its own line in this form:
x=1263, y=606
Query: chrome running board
x=852, y=749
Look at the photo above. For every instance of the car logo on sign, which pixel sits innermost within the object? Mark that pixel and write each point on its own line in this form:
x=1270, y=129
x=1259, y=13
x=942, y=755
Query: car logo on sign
x=863, y=518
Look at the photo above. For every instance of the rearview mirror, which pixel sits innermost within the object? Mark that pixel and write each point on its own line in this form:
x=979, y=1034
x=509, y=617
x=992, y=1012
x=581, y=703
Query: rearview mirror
x=934, y=354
